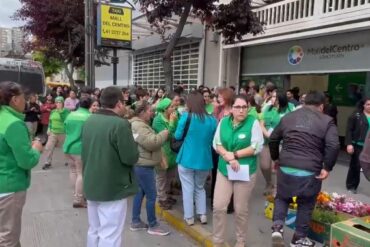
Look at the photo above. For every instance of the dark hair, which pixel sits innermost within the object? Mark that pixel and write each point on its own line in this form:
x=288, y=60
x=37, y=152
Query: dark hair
x=141, y=93
x=206, y=90
x=156, y=97
x=252, y=102
x=256, y=88
x=85, y=102
x=172, y=95
x=270, y=87
x=8, y=89
x=315, y=98
x=141, y=107
x=240, y=96
x=85, y=90
x=360, y=105
x=289, y=91
x=196, y=104
x=110, y=97
x=283, y=102
x=179, y=90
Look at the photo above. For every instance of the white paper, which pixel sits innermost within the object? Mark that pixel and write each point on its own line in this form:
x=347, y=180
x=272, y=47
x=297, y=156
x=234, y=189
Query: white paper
x=270, y=131
x=135, y=136
x=241, y=175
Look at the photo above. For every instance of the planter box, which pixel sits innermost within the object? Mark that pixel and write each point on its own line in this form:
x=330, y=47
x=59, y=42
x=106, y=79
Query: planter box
x=351, y=233
x=319, y=232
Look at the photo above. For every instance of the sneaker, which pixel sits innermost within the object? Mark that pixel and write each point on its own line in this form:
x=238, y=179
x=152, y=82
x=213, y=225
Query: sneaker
x=138, y=226
x=189, y=221
x=158, y=230
x=301, y=242
x=203, y=219
x=46, y=166
x=352, y=191
x=277, y=236
x=79, y=205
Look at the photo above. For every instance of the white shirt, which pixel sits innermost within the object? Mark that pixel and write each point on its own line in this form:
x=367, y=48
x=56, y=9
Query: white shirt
x=257, y=139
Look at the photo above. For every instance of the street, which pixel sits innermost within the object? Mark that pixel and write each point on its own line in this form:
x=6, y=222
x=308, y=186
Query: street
x=49, y=219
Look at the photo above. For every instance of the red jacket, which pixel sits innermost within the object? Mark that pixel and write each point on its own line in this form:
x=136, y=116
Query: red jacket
x=46, y=108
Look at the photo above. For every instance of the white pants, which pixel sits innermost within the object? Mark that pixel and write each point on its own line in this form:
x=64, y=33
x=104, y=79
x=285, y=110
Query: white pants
x=106, y=223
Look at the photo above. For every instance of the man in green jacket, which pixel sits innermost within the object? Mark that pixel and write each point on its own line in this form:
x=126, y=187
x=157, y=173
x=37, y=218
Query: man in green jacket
x=72, y=147
x=109, y=153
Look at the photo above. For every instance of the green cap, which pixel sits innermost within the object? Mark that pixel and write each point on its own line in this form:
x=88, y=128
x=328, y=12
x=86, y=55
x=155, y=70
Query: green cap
x=59, y=99
x=163, y=104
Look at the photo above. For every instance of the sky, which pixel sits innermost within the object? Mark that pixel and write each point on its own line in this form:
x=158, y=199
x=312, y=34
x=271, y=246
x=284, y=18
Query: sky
x=8, y=7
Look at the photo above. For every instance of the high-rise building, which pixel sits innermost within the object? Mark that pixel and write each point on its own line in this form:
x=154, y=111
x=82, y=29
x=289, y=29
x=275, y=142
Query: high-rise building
x=11, y=40
x=5, y=41
x=17, y=40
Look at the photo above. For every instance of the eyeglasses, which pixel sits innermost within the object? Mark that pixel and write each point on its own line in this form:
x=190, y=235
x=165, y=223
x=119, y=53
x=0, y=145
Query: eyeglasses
x=240, y=107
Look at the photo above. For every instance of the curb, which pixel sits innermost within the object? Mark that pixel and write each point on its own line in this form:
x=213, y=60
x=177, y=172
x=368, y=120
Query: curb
x=196, y=232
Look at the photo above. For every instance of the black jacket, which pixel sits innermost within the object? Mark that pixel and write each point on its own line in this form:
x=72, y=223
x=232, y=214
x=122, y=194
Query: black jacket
x=32, y=116
x=310, y=141
x=357, y=127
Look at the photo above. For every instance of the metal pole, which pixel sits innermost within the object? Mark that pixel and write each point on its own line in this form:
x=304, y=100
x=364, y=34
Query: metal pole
x=92, y=44
x=87, y=44
x=114, y=62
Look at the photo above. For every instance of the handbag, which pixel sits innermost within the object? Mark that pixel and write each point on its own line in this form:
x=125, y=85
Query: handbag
x=175, y=145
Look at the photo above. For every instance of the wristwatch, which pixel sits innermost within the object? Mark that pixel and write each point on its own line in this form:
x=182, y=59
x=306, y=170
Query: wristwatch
x=236, y=155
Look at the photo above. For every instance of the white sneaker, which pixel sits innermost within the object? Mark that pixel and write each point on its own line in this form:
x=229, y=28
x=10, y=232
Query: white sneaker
x=189, y=221
x=203, y=219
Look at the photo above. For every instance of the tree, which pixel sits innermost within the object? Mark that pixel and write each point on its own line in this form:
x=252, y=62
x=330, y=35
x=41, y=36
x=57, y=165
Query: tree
x=233, y=20
x=57, y=28
x=51, y=65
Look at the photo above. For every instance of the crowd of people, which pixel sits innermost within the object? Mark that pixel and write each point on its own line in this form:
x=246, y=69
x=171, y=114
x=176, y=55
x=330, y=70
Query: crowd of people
x=155, y=143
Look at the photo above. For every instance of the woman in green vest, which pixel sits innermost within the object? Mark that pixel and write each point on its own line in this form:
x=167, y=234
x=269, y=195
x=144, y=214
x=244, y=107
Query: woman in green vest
x=18, y=155
x=238, y=140
x=56, y=132
x=270, y=119
x=210, y=107
x=166, y=119
x=73, y=146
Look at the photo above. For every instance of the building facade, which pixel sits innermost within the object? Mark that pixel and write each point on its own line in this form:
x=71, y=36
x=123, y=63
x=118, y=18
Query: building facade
x=310, y=44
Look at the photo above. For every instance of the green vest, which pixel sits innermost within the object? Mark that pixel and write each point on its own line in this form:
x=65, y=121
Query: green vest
x=236, y=138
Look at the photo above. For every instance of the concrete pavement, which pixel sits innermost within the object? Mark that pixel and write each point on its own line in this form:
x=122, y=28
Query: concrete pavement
x=50, y=221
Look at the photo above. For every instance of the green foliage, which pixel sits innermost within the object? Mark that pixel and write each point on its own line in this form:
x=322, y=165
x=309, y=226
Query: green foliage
x=51, y=65
x=329, y=217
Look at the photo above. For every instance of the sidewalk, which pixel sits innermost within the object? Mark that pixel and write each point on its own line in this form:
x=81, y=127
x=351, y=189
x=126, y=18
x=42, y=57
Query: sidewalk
x=259, y=233
x=50, y=221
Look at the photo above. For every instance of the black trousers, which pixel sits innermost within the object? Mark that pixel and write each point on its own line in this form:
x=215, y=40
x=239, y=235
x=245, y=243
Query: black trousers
x=354, y=171
x=306, y=189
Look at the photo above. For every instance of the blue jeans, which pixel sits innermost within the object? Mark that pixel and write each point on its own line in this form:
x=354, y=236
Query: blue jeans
x=146, y=180
x=192, y=183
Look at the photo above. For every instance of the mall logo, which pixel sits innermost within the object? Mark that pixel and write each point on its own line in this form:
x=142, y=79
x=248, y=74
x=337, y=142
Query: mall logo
x=295, y=55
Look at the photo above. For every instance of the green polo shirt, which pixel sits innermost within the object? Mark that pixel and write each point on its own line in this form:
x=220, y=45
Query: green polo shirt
x=73, y=128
